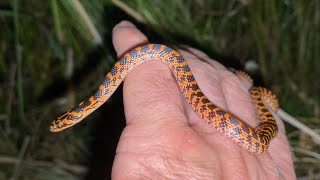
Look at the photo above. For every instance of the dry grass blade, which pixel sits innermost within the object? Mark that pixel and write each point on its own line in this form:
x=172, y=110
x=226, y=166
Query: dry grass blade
x=132, y=12
x=18, y=165
x=88, y=22
x=73, y=168
x=294, y=122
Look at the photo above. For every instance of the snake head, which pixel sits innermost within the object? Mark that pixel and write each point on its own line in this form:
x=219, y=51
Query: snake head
x=60, y=123
x=55, y=127
x=66, y=120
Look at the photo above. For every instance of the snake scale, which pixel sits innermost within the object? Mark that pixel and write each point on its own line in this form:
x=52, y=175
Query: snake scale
x=255, y=140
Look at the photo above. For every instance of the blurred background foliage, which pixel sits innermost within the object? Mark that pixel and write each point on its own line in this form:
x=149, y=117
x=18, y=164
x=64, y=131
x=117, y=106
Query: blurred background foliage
x=55, y=53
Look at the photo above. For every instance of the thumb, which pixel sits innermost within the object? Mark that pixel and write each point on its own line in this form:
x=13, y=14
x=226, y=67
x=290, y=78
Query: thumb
x=126, y=36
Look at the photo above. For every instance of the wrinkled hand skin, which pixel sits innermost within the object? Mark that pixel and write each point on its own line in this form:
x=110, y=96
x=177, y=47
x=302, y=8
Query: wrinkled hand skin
x=165, y=139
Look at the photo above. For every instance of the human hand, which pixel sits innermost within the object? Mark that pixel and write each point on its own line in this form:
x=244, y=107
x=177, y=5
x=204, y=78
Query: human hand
x=165, y=139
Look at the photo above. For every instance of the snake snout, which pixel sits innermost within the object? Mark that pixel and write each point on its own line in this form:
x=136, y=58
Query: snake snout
x=55, y=126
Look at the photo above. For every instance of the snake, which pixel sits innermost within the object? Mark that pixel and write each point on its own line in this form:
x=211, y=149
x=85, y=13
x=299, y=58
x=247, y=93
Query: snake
x=255, y=140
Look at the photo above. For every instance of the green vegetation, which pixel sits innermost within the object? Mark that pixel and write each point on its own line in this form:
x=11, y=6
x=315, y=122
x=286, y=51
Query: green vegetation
x=46, y=46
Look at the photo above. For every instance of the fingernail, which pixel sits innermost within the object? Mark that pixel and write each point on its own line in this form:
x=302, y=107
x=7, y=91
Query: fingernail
x=125, y=23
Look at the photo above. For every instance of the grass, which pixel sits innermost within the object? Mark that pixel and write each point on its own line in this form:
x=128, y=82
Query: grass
x=40, y=41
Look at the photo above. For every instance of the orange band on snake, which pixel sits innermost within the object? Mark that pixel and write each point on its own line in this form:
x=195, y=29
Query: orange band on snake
x=254, y=140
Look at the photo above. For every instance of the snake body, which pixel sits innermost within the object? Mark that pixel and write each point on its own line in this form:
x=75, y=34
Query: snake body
x=255, y=140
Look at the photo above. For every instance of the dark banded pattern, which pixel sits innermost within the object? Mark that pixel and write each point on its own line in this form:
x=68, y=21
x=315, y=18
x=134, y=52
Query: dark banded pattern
x=254, y=140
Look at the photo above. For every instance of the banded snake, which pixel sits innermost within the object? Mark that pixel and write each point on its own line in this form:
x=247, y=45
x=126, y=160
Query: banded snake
x=255, y=140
